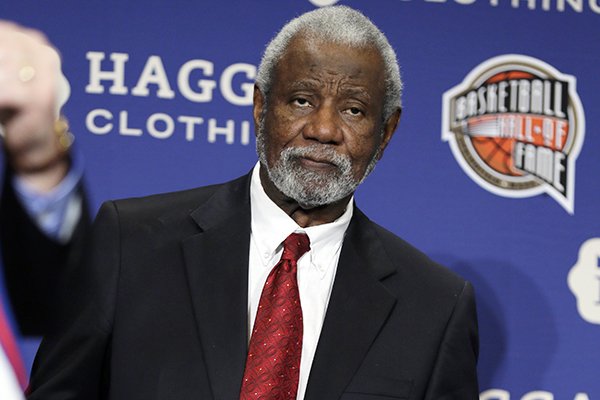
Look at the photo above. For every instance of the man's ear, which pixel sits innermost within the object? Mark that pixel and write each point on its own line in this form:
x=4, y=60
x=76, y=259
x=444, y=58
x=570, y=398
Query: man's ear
x=259, y=104
x=389, y=128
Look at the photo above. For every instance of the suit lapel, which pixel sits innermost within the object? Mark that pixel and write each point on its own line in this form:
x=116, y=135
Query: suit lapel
x=217, y=266
x=358, y=308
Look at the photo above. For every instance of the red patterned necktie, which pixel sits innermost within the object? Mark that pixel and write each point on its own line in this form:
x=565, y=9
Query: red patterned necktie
x=273, y=362
x=9, y=345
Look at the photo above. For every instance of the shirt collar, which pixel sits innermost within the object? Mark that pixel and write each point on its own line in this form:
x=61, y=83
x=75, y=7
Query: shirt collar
x=271, y=225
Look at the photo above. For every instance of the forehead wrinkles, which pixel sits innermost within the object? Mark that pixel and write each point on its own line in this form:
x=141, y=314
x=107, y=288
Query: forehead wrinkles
x=340, y=85
x=329, y=69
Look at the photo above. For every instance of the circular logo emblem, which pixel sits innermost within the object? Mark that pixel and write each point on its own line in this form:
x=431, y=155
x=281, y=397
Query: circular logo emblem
x=515, y=125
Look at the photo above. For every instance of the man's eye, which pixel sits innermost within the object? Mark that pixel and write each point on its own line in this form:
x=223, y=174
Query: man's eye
x=354, y=111
x=301, y=102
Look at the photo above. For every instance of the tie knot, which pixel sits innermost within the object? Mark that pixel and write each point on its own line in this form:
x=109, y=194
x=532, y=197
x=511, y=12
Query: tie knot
x=294, y=246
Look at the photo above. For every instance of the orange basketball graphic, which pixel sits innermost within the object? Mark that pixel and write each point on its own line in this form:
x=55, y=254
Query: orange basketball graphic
x=497, y=152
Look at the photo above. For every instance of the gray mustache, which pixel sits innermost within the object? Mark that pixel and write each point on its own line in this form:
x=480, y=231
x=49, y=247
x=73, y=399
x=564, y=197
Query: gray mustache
x=318, y=152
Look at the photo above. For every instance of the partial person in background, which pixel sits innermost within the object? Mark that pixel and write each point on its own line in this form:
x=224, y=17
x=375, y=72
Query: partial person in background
x=43, y=212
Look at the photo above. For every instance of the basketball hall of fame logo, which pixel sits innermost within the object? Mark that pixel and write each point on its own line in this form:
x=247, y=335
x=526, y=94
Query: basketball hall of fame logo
x=516, y=126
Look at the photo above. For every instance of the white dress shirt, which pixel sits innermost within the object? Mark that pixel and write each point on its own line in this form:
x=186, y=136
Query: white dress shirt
x=9, y=386
x=316, y=269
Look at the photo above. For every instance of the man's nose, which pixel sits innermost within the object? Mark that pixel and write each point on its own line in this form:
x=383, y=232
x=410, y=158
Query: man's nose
x=324, y=125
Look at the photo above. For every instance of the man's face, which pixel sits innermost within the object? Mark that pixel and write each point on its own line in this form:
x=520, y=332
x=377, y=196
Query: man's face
x=321, y=129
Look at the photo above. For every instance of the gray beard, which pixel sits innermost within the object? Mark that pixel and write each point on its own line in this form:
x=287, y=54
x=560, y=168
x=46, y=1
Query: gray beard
x=307, y=187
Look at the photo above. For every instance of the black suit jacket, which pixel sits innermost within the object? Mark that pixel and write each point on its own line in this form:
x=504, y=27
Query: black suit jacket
x=38, y=271
x=166, y=316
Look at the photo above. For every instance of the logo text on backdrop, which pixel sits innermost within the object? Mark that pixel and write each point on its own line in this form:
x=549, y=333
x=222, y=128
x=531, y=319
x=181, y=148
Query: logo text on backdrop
x=195, y=82
x=516, y=126
x=584, y=281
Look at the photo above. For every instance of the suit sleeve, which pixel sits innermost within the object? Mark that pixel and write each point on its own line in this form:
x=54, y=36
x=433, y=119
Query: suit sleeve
x=37, y=269
x=73, y=363
x=454, y=375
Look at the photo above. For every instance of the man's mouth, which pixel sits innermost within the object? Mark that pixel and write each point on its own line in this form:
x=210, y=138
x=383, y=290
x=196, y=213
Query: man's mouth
x=316, y=163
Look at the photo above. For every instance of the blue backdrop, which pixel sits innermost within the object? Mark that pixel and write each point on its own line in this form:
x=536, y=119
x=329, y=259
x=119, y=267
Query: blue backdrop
x=160, y=101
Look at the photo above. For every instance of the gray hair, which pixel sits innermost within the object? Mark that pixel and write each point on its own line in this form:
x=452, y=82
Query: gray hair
x=339, y=24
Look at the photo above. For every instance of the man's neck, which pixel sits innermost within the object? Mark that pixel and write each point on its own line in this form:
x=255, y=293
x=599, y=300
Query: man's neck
x=304, y=217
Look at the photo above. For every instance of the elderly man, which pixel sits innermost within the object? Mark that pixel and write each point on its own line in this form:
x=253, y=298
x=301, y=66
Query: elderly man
x=274, y=285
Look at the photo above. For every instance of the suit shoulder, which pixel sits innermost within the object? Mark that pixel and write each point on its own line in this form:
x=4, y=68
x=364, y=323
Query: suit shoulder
x=417, y=265
x=171, y=205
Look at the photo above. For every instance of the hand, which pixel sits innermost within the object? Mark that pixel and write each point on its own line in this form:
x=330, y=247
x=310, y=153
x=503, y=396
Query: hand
x=30, y=82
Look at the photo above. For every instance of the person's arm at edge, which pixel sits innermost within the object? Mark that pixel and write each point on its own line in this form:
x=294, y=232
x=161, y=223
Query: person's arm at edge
x=74, y=363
